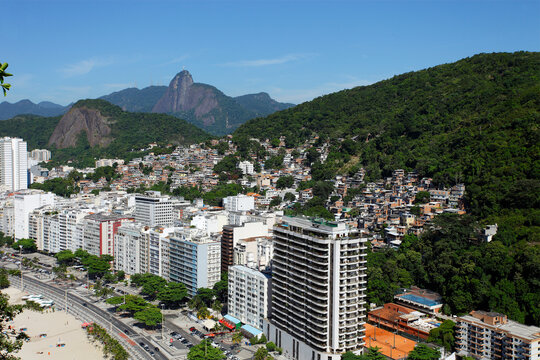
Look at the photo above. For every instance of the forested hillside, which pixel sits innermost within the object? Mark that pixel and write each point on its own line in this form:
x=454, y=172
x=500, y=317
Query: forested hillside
x=129, y=131
x=34, y=129
x=135, y=100
x=474, y=121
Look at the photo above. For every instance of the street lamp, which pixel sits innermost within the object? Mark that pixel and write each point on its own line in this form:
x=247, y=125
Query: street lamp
x=20, y=267
x=162, y=324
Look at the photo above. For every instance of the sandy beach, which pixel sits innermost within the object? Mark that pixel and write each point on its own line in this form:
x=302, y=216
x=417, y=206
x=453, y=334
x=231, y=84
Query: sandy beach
x=58, y=326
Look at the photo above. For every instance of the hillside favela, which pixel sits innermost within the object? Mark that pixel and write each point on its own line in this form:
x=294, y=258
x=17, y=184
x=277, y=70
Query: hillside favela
x=270, y=180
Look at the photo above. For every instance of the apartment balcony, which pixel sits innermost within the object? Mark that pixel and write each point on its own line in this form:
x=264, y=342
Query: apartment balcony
x=317, y=316
x=318, y=340
x=319, y=306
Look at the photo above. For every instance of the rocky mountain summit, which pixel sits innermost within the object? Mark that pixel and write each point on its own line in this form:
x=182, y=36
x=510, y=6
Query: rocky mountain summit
x=78, y=120
x=202, y=105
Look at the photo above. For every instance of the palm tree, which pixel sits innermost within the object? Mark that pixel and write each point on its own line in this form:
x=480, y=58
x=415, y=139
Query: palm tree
x=203, y=313
x=237, y=337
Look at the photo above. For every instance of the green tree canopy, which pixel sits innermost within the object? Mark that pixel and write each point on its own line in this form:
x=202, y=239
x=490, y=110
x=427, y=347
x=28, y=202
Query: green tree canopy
x=424, y=352
x=285, y=182
x=206, y=295
x=150, y=315
x=172, y=294
x=443, y=335
x=371, y=354
x=65, y=257
x=422, y=197
x=28, y=245
x=205, y=351
x=221, y=289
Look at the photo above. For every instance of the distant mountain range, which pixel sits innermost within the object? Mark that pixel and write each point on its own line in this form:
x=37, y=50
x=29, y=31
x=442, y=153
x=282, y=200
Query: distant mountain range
x=44, y=108
x=200, y=104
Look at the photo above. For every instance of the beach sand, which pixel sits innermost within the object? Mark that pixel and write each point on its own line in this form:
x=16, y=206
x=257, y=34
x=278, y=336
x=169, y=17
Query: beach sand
x=58, y=326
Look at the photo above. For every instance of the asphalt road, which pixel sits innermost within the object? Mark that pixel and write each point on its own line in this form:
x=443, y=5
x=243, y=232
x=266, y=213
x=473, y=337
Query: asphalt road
x=91, y=312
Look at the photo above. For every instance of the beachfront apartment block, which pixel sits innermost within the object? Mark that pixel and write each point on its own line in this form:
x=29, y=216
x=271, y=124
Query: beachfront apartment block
x=130, y=249
x=490, y=335
x=249, y=295
x=24, y=202
x=195, y=259
x=99, y=230
x=318, y=289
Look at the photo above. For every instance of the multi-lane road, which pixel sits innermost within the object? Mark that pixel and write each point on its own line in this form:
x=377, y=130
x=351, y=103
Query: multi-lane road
x=86, y=310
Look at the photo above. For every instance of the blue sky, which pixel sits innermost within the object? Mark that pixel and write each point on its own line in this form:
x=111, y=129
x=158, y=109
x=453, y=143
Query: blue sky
x=62, y=51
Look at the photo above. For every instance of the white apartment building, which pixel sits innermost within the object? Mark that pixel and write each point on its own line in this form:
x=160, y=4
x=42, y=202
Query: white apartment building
x=7, y=216
x=255, y=253
x=246, y=167
x=232, y=234
x=239, y=203
x=195, y=259
x=13, y=164
x=249, y=295
x=24, y=202
x=108, y=162
x=152, y=209
x=40, y=155
x=129, y=245
x=56, y=230
x=318, y=289
x=209, y=223
x=490, y=335
x=158, y=251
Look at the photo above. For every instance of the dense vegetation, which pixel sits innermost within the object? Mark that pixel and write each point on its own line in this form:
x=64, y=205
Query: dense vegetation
x=131, y=132
x=473, y=121
x=111, y=346
x=499, y=276
x=34, y=129
x=171, y=293
x=261, y=104
x=135, y=100
x=205, y=351
x=9, y=344
x=61, y=187
x=138, y=308
x=97, y=266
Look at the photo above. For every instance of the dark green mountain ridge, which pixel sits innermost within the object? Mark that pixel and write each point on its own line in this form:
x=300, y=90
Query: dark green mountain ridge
x=474, y=121
x=128, y=131
x=44, y=108
x=135, y=100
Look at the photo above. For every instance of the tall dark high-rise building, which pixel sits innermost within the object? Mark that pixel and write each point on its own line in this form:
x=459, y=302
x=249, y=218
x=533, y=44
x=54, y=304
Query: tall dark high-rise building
x=318, y=289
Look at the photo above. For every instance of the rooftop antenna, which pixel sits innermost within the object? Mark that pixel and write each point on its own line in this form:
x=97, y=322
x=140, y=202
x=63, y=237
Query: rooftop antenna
x=183, y=68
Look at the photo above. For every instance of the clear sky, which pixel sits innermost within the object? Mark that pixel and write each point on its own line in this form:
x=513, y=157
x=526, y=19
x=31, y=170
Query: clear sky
x=62, y=51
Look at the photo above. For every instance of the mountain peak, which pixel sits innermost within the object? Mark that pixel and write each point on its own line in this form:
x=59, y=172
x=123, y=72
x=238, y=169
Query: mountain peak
x=183, y=80
x=180, y=96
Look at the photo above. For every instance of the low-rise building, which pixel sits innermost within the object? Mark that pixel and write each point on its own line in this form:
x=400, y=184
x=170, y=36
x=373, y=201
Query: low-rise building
x=490, y=335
